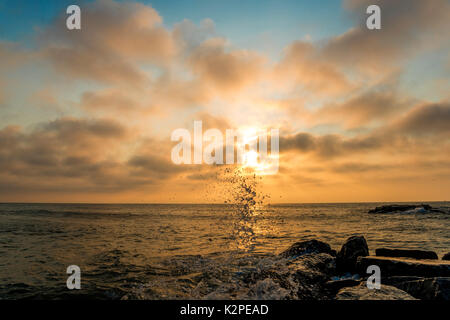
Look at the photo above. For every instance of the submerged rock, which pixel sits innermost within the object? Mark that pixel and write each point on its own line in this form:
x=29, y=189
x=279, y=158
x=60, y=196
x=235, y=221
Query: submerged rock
x=354, y=247
x=361, y=292
x=306, y=247
x=405, y=266
x=446, y=256
x=437, y=288
x=392, y=208
x=415, y=254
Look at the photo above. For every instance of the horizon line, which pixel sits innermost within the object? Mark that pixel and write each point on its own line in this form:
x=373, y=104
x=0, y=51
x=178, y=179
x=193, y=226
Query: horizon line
x=218, y=203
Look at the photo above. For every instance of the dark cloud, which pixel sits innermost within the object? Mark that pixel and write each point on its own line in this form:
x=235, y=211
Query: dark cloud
x=366, y=108
x=400, y=135
x=426, y=120
x=70, y=154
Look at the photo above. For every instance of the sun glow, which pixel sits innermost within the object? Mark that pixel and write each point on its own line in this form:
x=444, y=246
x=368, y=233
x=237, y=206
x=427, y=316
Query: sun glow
x=253, y=157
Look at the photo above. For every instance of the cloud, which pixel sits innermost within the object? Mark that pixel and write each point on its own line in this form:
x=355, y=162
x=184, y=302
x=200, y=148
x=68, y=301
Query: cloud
x=402, y=135
x=63, y=155
x=368, y=107
x=427, y=119
x=222, y=69
x=408, y=28
x=303, y=66
x=115, y=37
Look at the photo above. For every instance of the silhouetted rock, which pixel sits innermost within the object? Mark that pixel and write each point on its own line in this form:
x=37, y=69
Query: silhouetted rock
x=392, y=208
x=305, y=247
x=361, y=292
x=354, y=247
x=423, y=288
x=405, y=267
x=446, y=256
x=415, y=254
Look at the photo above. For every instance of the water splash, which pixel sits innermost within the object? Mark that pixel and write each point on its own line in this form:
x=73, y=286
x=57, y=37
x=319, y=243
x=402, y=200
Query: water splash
x=242, y=191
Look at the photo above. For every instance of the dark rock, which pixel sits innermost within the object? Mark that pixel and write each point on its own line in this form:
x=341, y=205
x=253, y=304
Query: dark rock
x=415, y=254
x=392, y=208
x=306, y=247
x=300, y=278
x=446, y=256
x=361, y=292
x=396, y=280
x=318, y=267
x=267, y=289
x=354, y=247
x=405, y=267
x=310, y=273
x=335, y=285
x=423, y=288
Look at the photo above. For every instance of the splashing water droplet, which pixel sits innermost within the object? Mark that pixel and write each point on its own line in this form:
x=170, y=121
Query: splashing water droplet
x=240, y=188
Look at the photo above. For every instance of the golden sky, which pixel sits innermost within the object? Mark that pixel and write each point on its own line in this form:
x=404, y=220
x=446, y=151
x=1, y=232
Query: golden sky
x=364, y=115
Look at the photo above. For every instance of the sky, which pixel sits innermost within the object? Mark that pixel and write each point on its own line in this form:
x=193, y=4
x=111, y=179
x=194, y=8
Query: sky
x=87, y=115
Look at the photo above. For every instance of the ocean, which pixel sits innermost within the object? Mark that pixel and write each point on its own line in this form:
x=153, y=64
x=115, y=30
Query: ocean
x=181, y=251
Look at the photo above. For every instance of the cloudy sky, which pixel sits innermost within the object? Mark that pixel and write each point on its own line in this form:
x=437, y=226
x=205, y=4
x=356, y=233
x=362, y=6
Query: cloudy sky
x=86, y=115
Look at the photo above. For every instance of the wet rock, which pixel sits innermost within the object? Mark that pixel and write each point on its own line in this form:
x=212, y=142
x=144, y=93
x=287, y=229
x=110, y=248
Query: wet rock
x=396, y=280
x=405, y=266
x=437, y=288
x=415, y=254
x=310, y=272
x=267, y=289
x=392, y=208
x=317, y=267
x=306, y=247
x=361, y=292
x=446, y=256
x=301, y=278
x=335, y=285
x=354, y=247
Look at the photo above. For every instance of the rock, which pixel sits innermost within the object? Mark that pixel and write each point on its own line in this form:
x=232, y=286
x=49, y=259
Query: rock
x=392, y=208
x=446, y=256
x=305, y=247
x=354, y=247
x=405, y=267
x=415, y=254
x=316, y=266
x=303, y=277
x=437, y=288
x=335, y=285
x=310, y=272
x=361, y=292
x=267, y=289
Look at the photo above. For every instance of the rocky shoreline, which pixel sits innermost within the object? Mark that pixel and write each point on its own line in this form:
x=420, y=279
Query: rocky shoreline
x=307, y=270
x=323, y=273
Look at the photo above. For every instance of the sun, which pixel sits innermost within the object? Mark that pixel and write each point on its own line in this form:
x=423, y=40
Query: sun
x=251, y=159
x=261, y=164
